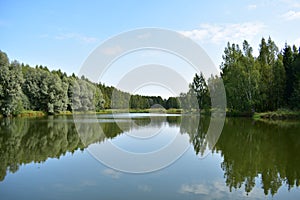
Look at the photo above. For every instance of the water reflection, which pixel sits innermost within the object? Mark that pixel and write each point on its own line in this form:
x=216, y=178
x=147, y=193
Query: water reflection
x=24, y=141
x=268, y=151
x=250, y=151
x=198, y=134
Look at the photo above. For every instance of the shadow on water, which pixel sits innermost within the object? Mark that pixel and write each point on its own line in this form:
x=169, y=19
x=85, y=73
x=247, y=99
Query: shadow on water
x=250, y=150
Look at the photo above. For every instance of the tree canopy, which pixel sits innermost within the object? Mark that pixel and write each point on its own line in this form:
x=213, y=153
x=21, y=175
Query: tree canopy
x=37, y=88
x=264, y=83
x=267, y=82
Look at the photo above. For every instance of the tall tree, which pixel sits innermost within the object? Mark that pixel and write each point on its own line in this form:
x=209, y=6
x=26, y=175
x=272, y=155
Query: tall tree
x=288, y=59
x=295, y=96
x=199, y=87
x=240, y=77
x=10, y=86
x=45, y=90
x=267, y=56
x=279, y=82
x=249, y=77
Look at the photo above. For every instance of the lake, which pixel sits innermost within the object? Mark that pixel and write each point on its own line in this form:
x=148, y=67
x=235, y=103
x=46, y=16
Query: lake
x=56, y=158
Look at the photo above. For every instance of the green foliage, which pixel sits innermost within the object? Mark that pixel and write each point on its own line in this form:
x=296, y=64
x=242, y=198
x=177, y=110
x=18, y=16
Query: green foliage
x=266, y=61
x=188, y=101
x=11, y=79
x=138, y=102
x=200, y=89
x=45, y=90
x=38, y=89
x=172, y=102
x=198, y=96
x=241, y=77
x=251, y=151
x=259, y=150
x=266, y=83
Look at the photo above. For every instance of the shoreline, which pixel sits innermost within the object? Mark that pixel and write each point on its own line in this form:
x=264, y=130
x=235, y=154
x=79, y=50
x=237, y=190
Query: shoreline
x=270, y=115
x=281, y=114
x=278, y=115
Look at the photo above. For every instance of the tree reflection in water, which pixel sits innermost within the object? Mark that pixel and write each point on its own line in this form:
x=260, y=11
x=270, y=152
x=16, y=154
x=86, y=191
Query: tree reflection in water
x=251, y=151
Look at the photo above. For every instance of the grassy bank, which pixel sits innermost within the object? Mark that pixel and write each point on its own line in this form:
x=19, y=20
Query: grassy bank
x=278, y=115
x=281, y=114
x=238, y=114
x=274, y=115
x=31, y=113
x=169, y=111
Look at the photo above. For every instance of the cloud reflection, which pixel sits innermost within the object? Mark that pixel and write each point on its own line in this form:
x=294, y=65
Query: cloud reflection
x=112, y=173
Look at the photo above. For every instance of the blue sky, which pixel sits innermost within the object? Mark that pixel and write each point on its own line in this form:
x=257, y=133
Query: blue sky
x=61, y=34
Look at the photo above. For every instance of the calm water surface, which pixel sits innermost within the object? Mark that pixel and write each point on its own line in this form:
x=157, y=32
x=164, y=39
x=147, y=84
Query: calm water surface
x=45, y=158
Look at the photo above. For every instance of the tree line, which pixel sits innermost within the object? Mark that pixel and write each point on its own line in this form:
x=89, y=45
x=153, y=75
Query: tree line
x=37, y=88
x=268, y=82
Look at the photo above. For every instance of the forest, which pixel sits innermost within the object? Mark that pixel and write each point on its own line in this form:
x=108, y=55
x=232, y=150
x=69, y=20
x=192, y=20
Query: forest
x=268, y=82
x=37, y=88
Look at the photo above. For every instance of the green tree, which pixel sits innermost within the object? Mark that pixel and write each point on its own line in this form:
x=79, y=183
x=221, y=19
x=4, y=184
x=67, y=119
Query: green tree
x=267, y=58
x=45, y=90
x=10, y=86
x=155, y=100
x=240, y=76
x=172, y=102
x=217, y=93
x=188, y=101
x=230, y=74
x=249, y=78
x=295, y=96
x=84, y=95
x=74, y=102
x=288, y=59
x=199, y=87
x=279, y=82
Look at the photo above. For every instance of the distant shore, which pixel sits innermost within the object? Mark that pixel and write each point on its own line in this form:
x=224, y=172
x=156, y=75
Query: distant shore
x=31, y=113
x=272, y=115
x=278, y=115
x=281, y=114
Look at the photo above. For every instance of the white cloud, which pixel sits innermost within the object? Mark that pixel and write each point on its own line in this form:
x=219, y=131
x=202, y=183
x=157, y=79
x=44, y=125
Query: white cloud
x=112, y=50
x=76, y=36
x=195, y=189
x=252, y=7
x=291, y=15
x=112, y=173
x=217, y=33
x=218, y=190
x=291, y=3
